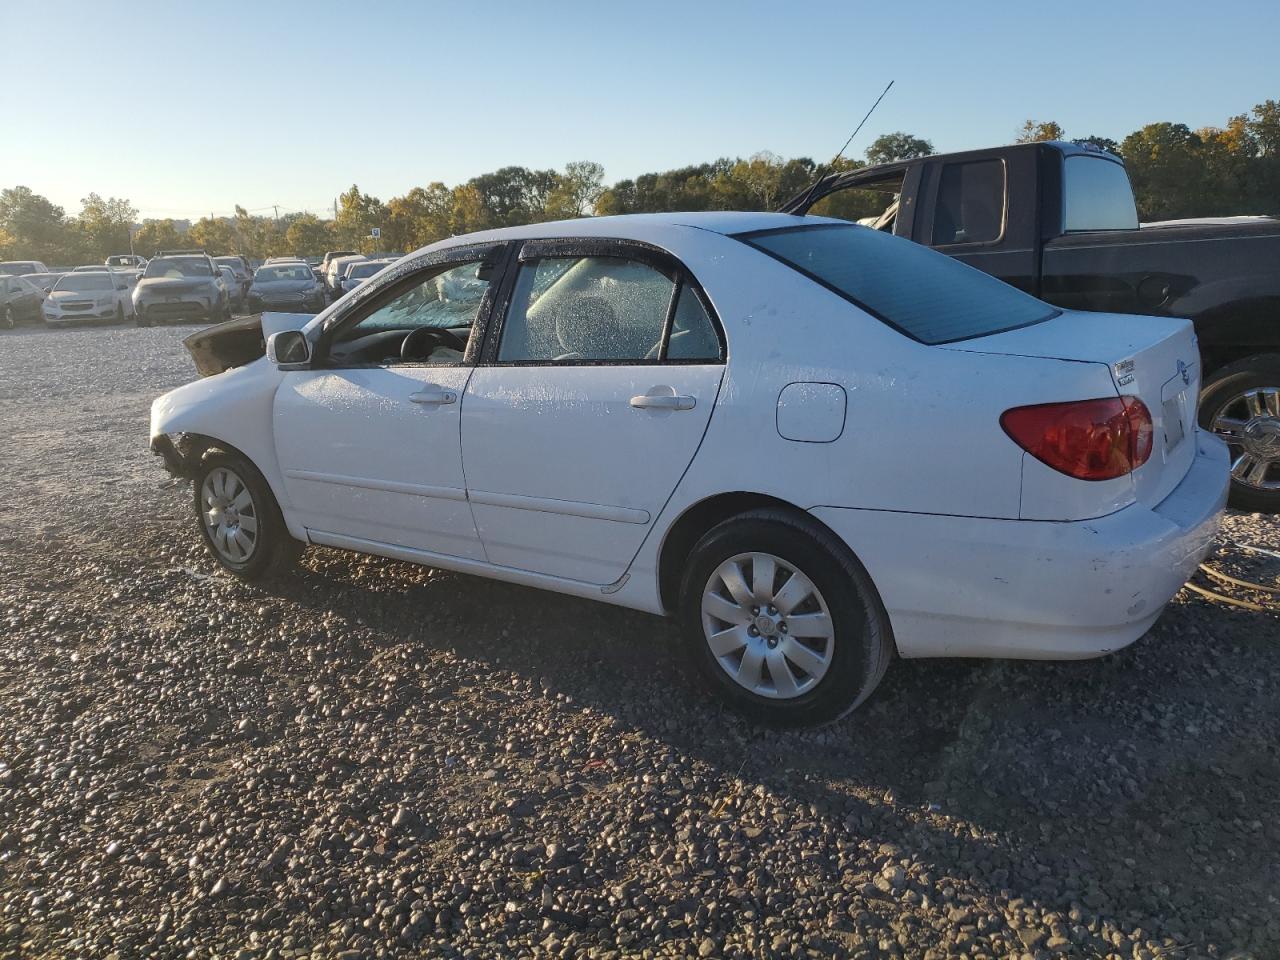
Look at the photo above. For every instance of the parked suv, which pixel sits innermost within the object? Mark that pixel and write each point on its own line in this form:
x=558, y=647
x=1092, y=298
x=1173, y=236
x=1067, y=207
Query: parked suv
x=180, y=285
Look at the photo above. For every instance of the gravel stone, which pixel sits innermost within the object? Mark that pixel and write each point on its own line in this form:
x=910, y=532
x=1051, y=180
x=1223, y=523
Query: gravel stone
x=371, y=759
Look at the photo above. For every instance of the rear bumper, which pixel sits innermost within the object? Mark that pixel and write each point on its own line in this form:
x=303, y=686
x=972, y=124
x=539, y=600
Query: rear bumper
x=966, y=587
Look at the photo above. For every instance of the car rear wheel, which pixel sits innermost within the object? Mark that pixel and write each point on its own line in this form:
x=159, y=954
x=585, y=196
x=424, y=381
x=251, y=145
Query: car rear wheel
x=1241, y=404
x=781, y=619
x=240, y=519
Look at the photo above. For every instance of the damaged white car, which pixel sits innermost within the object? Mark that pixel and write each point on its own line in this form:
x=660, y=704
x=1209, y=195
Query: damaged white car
x=815, y=444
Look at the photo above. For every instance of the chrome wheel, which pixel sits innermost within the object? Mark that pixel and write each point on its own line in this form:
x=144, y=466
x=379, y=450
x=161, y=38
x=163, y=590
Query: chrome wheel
x=1250, y=424
x=767, y=626
x=230, y=516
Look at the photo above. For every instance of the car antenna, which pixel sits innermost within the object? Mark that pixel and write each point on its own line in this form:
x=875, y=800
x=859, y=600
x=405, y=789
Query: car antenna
x=804, y=203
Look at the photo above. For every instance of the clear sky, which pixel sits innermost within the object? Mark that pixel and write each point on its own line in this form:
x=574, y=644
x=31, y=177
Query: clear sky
x=189, y=108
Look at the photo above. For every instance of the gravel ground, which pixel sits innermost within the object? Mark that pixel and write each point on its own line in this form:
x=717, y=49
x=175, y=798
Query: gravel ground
x=372, y=759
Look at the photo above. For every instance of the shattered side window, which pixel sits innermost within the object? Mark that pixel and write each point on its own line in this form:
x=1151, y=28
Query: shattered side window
x=450, y=299
x=586, y=308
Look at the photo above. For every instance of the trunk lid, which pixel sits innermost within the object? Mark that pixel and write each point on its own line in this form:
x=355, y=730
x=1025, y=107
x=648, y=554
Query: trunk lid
x=1155, y=359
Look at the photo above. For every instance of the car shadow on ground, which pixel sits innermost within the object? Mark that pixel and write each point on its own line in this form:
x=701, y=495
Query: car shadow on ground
x=1029, y=769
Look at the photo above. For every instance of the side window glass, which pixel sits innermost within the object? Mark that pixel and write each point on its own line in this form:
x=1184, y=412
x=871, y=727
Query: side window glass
x=586, y=308
x=970, y=207
x=429, y=322
x=693, y=337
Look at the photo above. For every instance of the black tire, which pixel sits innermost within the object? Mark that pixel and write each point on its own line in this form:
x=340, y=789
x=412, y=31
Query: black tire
x=863, y=640
x=1219, y=394
x=274, y=551
x=140, y=318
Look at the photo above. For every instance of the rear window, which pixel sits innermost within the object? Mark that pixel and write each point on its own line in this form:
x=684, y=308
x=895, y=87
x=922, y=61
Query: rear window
x=924, y=294
x=177, y=268
x=1096, y=196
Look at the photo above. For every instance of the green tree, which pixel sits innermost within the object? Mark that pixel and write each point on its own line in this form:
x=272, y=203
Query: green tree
x=576, y=191
x=216, y=236
x=104, y=226
x=1102, y=143
x=358, y=214
x=38, y=229
x=308, y=236
x=515, y=195
x=1032, y=131
x=1166, y=167
x=420, y=217
x=890, y=147
x=156, y=235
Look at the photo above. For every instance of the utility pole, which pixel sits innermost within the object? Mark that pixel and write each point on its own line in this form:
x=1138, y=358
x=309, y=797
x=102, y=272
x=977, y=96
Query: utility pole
x=276, y=208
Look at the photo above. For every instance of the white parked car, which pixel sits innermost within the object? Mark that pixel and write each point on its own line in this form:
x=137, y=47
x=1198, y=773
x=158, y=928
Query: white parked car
x=814, y=443
x=334, y=270
x=357, y=272
x=82, y=295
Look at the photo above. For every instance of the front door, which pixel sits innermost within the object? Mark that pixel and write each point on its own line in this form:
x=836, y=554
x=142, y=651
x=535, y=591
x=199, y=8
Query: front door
x=593, y=399
x=368, y=439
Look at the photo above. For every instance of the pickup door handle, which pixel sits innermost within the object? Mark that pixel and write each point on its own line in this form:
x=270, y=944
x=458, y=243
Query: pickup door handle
x=434, y=396
x=662, y=401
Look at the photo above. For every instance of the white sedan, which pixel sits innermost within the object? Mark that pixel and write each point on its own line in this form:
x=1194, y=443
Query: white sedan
x=815, y=444
x=92, y=294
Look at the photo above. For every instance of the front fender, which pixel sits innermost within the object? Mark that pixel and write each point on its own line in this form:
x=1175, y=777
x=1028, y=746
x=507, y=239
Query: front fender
x=232, y=409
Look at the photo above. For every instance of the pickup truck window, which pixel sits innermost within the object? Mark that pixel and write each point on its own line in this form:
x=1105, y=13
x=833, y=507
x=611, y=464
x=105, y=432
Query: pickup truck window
x=1096, y=195
x=923, y=294
x=970, y=207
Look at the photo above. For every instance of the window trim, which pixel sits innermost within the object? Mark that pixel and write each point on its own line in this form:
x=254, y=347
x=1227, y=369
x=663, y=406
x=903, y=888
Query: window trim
x=530, y=251
x=368, y=300
x=747, y=237
x=936, y=191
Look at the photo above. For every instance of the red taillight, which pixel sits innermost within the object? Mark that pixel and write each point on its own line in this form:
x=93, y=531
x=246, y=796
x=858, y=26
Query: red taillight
x=1088, y=439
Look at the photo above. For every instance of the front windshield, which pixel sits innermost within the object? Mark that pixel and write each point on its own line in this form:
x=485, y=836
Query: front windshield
x=272, y=274
x=177, y=268
x=84, y=282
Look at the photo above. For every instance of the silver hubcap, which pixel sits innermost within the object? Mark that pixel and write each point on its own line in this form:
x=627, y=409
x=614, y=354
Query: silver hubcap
x=229, y=514
x=767, y=625
x=1250, y=423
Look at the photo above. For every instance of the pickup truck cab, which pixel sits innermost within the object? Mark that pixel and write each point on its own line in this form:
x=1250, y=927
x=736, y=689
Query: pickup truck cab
x=1059, y=221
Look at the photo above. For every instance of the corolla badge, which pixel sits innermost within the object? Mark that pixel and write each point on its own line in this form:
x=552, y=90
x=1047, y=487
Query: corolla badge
x=1185, y=372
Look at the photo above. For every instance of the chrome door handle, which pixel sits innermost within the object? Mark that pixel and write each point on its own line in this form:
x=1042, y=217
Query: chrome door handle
x=434, y=397
x=662, y=401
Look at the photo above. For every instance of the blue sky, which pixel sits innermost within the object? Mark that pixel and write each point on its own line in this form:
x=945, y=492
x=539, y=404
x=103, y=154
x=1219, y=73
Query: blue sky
x=188, y=109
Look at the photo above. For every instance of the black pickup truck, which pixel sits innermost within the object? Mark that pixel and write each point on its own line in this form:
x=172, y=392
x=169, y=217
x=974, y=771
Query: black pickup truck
x=1059, y=221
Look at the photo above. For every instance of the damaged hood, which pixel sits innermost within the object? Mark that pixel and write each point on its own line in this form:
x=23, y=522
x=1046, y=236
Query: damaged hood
x=239, y=341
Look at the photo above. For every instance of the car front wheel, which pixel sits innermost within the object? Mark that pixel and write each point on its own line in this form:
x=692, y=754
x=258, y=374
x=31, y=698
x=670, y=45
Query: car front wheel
x=781, y=619
x=240, y=519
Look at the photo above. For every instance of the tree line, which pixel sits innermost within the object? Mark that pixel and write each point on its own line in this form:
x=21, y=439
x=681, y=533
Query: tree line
x=1176, y=172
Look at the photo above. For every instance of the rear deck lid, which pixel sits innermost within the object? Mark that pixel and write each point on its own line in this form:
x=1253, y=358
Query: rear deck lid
x=1155, y=359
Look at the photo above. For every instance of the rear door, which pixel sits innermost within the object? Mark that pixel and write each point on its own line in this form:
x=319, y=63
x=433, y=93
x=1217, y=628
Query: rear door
x=981, y=208
x=596, y=391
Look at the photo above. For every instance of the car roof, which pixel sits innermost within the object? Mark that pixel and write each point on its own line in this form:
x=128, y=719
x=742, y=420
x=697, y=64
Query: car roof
x=648, y=227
